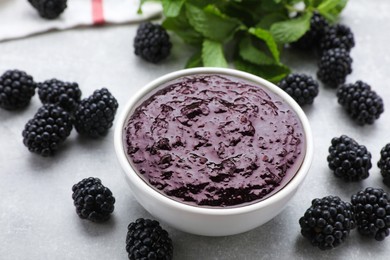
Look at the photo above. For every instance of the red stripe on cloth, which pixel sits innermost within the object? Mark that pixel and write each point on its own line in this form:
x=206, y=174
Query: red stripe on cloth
x=97, y=12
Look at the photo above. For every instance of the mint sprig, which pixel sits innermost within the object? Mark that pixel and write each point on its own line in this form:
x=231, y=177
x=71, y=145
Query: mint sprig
x=250, y=34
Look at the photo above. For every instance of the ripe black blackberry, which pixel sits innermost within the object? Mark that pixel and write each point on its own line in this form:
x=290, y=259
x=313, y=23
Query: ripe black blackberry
x=49, y=9
x=384, y=164
x=334, y=66
x=349, y=160
x=337, y=36
x=65, y=94
x=93, y=201
x=311, y=38
x=302, y=88
x=146, y=239
x=49, y=128
x=361, y=103
x=16, y=89
x=94, y=115
x=372, y=212
x=327, y=222
x=152, y=42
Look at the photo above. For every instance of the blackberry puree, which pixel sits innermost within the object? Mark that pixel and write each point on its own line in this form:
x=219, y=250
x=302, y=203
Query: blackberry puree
x=213, y=140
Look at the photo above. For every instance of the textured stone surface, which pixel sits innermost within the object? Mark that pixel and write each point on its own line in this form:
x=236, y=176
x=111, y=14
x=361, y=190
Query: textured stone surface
x=37, y=217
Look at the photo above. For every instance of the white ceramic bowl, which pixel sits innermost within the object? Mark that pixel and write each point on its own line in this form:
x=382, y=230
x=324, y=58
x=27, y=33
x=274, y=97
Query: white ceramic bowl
x=202, y=220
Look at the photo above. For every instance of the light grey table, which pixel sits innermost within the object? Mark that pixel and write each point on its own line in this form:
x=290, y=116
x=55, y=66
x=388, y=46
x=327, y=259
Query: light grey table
x=37, y=216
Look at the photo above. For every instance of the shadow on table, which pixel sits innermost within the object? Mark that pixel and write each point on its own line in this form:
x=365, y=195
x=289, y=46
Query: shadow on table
x=354, y=247
x=98, y=229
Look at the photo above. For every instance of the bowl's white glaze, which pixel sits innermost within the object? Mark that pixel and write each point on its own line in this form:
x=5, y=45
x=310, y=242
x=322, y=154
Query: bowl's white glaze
x=201, y=220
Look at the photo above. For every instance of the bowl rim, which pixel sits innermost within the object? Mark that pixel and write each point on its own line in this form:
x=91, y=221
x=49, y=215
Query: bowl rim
x=131, y=174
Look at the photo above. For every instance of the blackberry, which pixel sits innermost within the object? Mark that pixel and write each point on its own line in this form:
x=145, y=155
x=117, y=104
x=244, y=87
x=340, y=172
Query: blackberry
x=49, y=9
x=146, y=239
x=334, y=66
x=94, y=115
x=93, y=201
x=312, y=37
x=362, y=104
x=49, y=127
x=16, y=89
x=65, y=94
x=337, y=36
x=384, y=164
x=372, y=211
x=152, y=42
x=327, y=222
x=348, y=160
x=302, y=88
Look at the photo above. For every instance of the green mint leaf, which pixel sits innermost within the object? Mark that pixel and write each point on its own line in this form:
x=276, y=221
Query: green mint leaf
x=273, y=73
x=271, y=5
x=203, y=3
x=195, y=60
x=316, y=3
x=212, y=54
x=250, y=53
x=267, y=37
x=172, y=7
x=330, y=9
x=291, y=30
x=211, y=23
x=183, y=29
x=268, y=20
x=308, y=3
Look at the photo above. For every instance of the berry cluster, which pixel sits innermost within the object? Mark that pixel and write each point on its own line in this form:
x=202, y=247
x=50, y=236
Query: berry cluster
x=146, y=239
x=328, y=221
x=384, y=164
x=312, y=37
x=372, y=212
x=16, y=89
x=62, y=109
x=152, y=42
x=351, y=161
x=301, y=87
x=49, y=127
x=65, y=94
x=49, y=9
x=360, y=102
x=93, y=201
x=334, y=43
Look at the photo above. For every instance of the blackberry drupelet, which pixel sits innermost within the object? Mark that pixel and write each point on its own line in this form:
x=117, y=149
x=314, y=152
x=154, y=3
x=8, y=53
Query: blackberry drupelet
x=337, y=36
x=348, y=160
x=93, y=201
x=302, y=88
x=49, y=128
x=327, y=222
x=65, y=94
x=16, y=89
x=384, y=164
x=152, y=42
x=94, y=115
x=146, y=239
x=372, y=212
x=362, y=104
x=49, y=9
x=334, y=66
x=311, y=38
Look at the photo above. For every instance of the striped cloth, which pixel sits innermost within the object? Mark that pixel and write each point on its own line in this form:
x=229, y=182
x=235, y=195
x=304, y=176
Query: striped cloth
x=19, y=19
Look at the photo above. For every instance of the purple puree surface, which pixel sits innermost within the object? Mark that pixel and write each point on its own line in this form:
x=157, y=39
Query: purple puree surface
x=214, y=140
